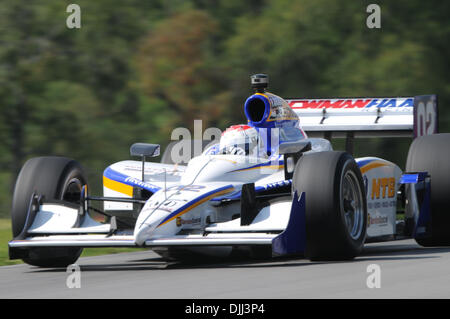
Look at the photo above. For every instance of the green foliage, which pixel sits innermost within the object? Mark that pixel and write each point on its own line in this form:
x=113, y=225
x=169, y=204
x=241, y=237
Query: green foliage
x=5, y=237
x=137, y=69
x=179, y=69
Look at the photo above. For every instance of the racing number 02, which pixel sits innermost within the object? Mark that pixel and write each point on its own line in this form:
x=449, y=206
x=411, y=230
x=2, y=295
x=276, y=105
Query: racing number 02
x=425, y=117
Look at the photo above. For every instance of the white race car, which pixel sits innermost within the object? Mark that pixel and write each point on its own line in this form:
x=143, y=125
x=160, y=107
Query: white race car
x=270, y=187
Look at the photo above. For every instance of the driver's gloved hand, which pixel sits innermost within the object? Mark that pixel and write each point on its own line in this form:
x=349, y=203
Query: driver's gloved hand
x=236, y=151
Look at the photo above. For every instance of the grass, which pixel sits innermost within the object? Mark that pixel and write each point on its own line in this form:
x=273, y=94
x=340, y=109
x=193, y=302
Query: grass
x=6, y=235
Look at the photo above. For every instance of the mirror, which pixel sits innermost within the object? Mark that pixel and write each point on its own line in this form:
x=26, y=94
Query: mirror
x=144, y=149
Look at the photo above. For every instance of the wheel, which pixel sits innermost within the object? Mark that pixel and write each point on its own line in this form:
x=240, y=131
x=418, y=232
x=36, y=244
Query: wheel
x=167, y=155
x=431, y=154
x=336, y=206
x=54, y=178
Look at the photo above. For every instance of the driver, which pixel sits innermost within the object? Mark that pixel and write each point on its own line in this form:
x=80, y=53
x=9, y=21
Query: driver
x=238, y=140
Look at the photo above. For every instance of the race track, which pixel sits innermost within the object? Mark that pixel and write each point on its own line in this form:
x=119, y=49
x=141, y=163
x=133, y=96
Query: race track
x=406, y=271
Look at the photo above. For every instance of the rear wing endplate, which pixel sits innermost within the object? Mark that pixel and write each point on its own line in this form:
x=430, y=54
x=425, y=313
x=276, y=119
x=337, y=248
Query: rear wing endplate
x=368, y=117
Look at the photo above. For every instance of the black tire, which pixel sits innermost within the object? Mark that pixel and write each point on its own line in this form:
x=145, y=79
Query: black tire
x=167, y=157
x=431, y=154
x=55, y=178
x=261, y=252
x=324, y=177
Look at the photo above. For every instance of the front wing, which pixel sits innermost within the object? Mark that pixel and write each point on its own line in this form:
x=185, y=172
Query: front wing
x=289, y=241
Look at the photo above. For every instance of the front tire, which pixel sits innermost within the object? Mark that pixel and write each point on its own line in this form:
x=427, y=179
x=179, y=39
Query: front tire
x=431, y=154
x=55, y=178
x=336, y=208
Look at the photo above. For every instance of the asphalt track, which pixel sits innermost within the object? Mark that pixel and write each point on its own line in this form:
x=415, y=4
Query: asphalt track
x=406, y=271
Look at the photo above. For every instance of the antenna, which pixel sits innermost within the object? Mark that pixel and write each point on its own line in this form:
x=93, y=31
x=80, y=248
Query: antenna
x=143, y=168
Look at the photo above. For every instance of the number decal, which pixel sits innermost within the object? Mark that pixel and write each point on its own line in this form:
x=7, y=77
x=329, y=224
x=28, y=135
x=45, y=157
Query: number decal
x=425, y=115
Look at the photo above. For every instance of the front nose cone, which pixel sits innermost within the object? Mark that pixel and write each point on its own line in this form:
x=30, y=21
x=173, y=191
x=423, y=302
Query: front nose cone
x=142, y=232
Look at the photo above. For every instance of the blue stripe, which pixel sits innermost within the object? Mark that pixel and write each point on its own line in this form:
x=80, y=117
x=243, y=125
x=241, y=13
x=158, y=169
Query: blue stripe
x=258, y=189
x=128, y=180
x=365, y=162
x=272, y=162
x=187, y=205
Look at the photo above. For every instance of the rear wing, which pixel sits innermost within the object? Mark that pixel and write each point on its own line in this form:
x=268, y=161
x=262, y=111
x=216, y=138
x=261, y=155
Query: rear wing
x=368, y=117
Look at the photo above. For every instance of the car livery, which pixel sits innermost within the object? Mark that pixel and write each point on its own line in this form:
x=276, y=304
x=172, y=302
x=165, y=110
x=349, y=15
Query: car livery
x=351, y=103
x=297, y=196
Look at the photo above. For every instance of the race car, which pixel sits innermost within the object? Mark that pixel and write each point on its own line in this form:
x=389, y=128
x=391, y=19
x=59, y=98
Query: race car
x=273, y=186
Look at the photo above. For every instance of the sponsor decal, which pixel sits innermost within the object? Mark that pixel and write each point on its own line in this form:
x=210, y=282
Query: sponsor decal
x=193, y=221
x=377, y=220
x=168, y=205
x=381, y=204
x=140, y=183
x=279, y=110
x=190, y=188
x=274, y=185
x=275, y=101
x=175, y=171
x=383, y=187
x=351, y=103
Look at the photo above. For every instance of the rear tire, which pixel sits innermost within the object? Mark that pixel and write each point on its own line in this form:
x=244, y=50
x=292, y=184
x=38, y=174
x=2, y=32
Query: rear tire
x=55, y=178
x=431, y=154
x=336, y=209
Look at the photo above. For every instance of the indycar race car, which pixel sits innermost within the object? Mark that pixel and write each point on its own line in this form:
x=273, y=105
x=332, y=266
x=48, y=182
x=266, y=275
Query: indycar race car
x=271, y=187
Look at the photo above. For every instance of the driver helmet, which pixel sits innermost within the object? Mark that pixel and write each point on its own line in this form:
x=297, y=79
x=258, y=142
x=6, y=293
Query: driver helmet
x=239, y=140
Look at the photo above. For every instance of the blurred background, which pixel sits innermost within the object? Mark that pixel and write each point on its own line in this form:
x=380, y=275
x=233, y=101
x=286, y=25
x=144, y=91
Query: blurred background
x=137, y=69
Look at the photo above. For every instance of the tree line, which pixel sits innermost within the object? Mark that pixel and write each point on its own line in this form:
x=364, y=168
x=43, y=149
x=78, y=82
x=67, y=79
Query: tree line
x=136, y=70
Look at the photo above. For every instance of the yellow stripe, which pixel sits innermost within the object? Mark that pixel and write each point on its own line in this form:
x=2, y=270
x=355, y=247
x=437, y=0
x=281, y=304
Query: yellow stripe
x=118, y=187
x=225, y=159
x=261, y=166
x=225, y=191
x=262, y=95
x=369, y=166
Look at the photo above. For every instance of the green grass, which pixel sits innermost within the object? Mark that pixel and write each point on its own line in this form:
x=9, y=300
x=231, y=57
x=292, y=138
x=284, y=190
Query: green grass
x=6, y=235
x=87, y=252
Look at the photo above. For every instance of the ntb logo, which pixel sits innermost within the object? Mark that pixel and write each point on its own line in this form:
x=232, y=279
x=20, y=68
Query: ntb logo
x=383, y=187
